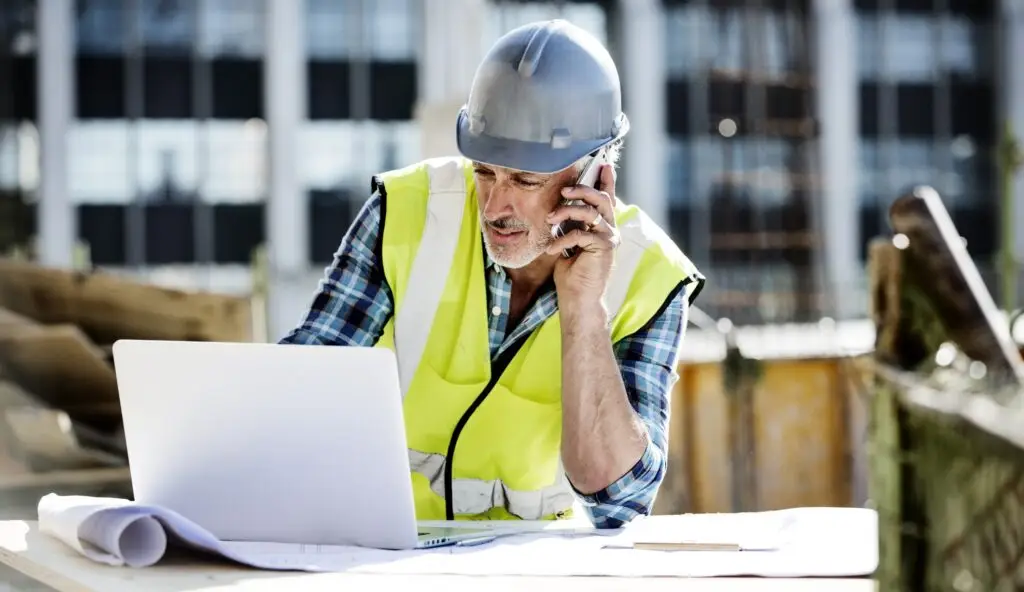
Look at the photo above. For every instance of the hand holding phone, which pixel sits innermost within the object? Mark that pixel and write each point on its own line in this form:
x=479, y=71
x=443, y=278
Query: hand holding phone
x=587, y=177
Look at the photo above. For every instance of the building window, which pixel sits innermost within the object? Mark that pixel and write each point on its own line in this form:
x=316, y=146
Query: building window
x=902, y=47
x=782, y=47
x=167, y=161
x=709, y=161
x=394, y=36
x=9, y=157
x=729, y=30
x=909, y=162
x=679, y=171
x=730, y=39
x=236, y=168
x=870, y=185
x=19, y=158
x=382, y=30
x=687, y=46
x=967, y=48
x=909, y=48
x=168, y=25
x=99, y=176
x=326, y=34
x=232, y=28
x=869, y=51
x=345, y=154
x=505, y=16
x=101, y=26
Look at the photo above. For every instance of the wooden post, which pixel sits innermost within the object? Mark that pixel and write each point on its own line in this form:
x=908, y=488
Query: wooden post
x=941, y=277
x=740, y=375
x=896, y=344
x=260, y=269
x=934, y=481
x=1011, y=158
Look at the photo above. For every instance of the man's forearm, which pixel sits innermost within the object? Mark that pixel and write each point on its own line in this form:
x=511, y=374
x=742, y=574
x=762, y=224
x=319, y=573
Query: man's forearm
x=602, y=437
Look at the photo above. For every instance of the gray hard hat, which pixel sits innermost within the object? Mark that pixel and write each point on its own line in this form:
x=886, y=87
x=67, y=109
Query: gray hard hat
x=546, y=95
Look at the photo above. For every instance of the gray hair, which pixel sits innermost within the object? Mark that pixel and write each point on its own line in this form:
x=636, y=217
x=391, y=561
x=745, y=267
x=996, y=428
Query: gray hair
x=614, y=151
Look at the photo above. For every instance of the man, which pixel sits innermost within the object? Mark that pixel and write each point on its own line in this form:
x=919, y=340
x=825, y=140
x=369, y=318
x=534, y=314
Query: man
x=532, y=381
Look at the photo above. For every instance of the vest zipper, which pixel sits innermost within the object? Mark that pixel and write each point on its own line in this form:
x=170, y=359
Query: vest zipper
x=498, y=367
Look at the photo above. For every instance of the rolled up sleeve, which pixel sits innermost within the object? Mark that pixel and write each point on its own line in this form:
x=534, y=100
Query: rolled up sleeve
x=647, y=360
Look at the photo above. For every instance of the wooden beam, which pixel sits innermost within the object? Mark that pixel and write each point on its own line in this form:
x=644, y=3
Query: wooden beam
x=942, y=276
x=59, y=365
x=63, y=479
x=107, y=308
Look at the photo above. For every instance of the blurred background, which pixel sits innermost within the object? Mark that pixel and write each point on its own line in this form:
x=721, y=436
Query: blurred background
x=221, y=147
x=768, y=134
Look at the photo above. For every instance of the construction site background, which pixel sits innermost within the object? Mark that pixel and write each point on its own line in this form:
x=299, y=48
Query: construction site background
x=185, y=169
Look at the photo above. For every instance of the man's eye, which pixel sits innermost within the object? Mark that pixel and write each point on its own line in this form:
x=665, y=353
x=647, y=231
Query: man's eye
x=483, y=172
x=529, y=184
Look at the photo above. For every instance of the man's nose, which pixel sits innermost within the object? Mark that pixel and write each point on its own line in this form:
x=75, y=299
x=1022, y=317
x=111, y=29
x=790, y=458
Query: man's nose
x=499, y=202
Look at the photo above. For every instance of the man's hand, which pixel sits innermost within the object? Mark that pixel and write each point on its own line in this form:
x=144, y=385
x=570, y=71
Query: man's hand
x=602, y=437
x=582, y=279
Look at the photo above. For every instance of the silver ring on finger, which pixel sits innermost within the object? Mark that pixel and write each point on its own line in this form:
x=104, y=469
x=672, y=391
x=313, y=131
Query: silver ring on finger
x=597, y=221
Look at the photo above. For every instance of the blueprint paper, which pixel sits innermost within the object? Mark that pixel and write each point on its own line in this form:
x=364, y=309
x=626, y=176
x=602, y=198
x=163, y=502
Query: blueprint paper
x=836, y=542
x=753, y=531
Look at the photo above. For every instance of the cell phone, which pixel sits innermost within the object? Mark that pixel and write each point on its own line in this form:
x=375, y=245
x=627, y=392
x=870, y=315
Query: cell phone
x=588, y=177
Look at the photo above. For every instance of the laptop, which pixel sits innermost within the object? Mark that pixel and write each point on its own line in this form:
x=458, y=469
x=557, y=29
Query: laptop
x=273, y=443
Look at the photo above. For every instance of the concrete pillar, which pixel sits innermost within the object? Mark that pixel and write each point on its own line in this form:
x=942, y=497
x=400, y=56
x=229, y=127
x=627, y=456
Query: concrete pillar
x=286, y=212
x=643, y=74
x=837, y=114
x=453, y=45
x=57, y=220
x=1013, y=101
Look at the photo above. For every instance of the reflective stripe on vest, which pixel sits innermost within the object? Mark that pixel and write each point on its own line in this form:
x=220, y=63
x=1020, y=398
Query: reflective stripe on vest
x=430, y=268
x=476, y=496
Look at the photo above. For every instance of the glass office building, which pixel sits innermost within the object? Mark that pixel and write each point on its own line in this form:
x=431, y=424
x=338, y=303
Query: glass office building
x=929, y=110
x=167, y=150
x=742, y=128
x=170, y=124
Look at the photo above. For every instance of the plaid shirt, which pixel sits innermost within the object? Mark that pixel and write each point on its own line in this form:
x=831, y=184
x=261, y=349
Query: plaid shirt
x=353, y=303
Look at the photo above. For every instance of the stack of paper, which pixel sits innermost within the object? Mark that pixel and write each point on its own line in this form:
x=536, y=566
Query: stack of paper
x=836, y=542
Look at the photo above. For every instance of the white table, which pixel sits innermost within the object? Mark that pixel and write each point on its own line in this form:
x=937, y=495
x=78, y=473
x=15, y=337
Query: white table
x=50, y=562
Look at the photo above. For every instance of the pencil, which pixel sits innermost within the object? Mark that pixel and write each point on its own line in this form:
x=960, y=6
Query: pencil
x=687, y=546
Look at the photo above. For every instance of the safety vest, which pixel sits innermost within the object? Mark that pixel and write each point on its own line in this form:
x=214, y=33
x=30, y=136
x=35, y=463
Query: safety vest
x=484, y=437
